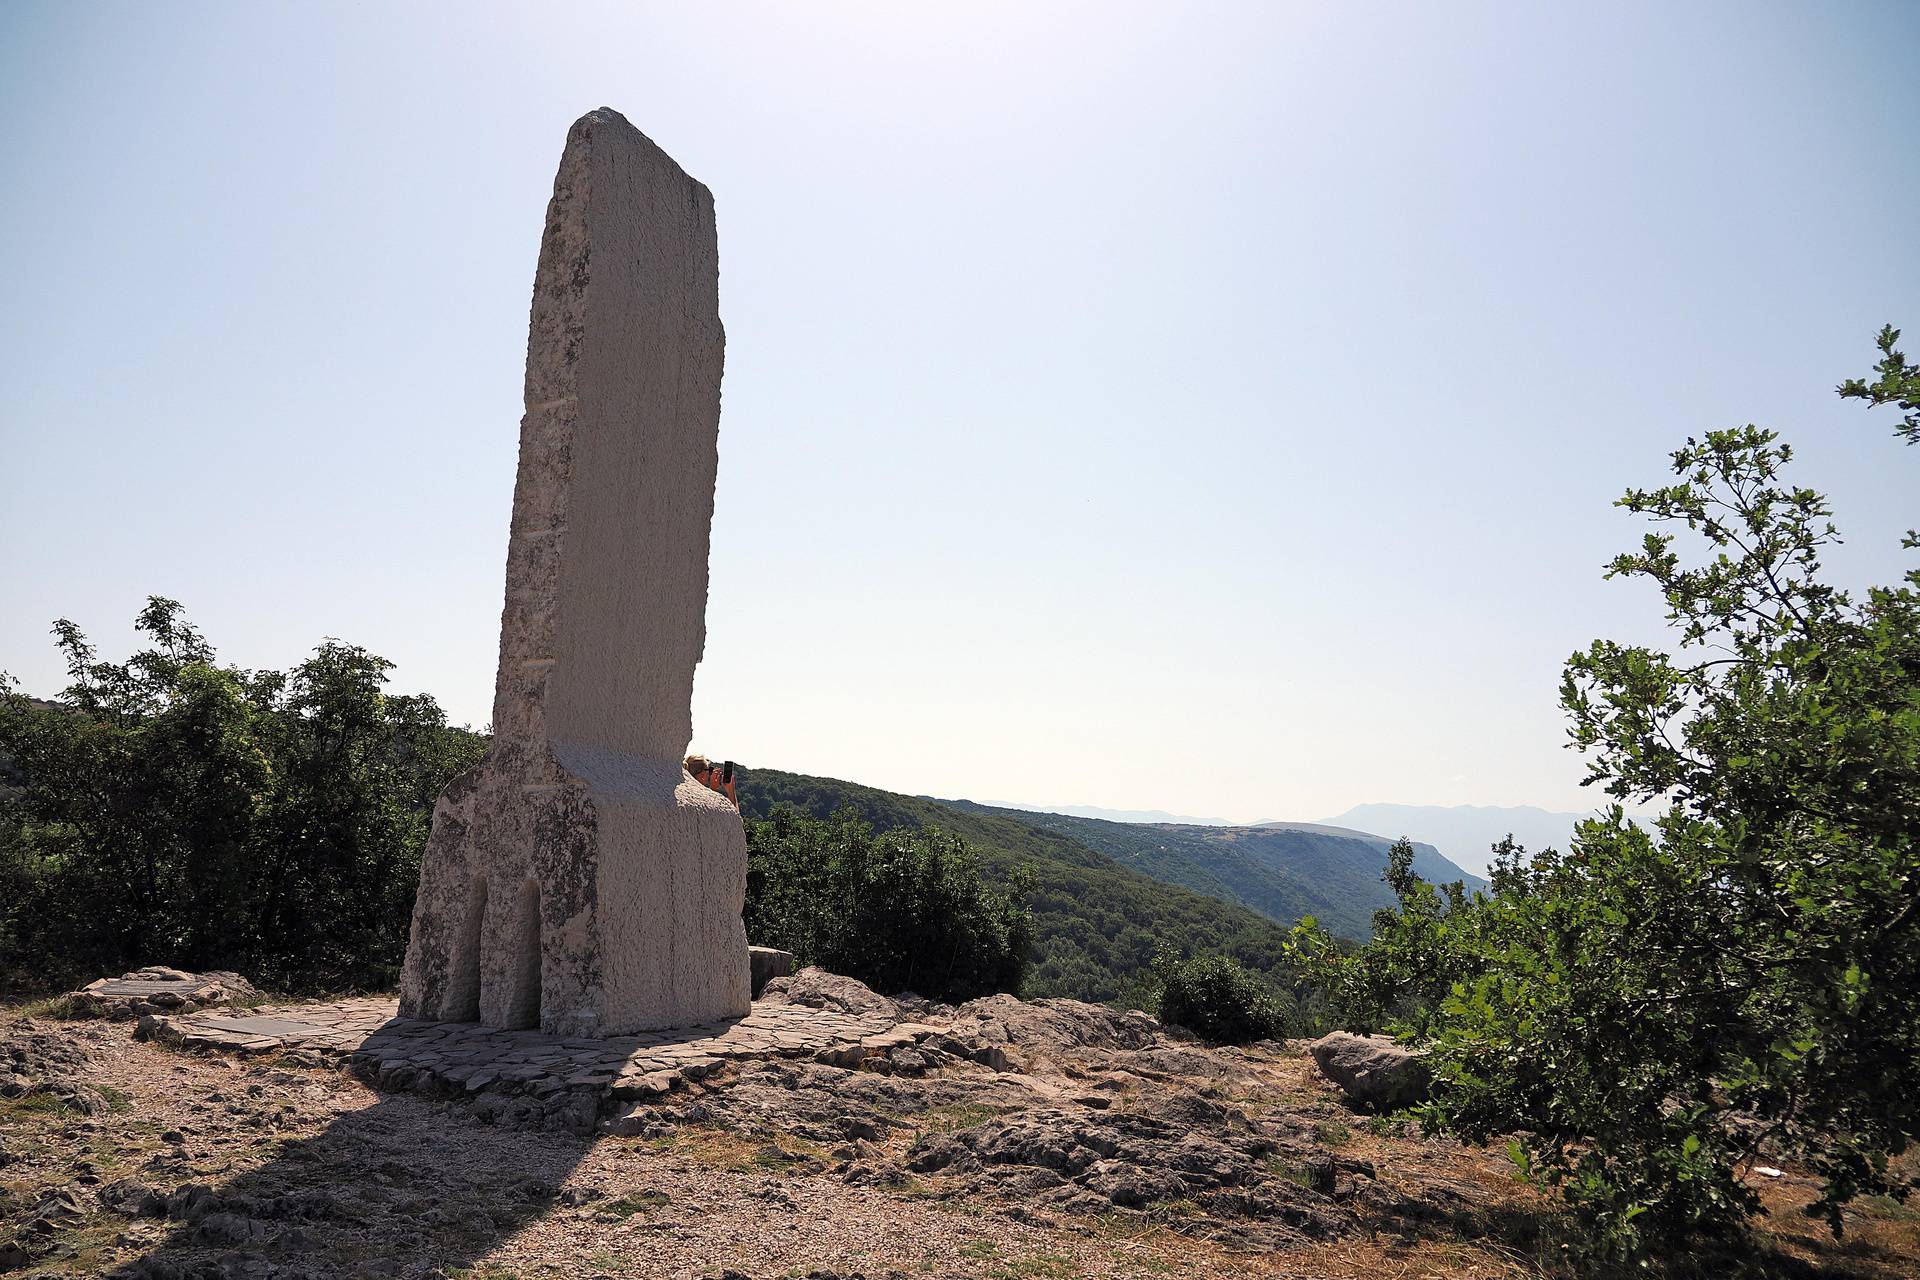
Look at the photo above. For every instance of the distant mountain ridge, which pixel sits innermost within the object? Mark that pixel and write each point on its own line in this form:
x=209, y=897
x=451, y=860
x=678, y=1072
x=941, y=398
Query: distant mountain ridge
x=1428, y=862
x=1463, y=834
x=1113, y=815
x=1466, y=832
x=1109, y=894
x=1097, y=924
x=1283, y=871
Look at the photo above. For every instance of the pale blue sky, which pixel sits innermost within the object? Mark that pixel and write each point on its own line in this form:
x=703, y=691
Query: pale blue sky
x=1203, y=407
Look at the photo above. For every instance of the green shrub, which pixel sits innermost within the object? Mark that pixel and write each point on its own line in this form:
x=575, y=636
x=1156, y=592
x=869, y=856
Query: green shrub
x=1217, y=999
x=1398, y=981
x=168, y=810
x=900, y=910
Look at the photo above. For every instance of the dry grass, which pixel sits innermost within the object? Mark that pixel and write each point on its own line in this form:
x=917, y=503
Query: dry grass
x=706, y=1198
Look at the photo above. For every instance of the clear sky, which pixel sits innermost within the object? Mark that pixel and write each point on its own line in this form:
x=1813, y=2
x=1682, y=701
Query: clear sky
x=1209, y=407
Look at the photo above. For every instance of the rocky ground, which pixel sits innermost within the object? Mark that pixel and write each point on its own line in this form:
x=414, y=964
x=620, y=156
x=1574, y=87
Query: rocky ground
x=1044, y=1139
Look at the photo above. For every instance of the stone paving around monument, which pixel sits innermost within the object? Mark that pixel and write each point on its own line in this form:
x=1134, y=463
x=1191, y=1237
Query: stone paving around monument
x=571, y=1078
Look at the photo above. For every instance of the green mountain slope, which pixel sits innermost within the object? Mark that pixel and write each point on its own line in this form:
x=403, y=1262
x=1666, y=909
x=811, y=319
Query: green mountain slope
x=1428, y=862
x=1282, y=871
x=1097, y=923
x=1468, y=832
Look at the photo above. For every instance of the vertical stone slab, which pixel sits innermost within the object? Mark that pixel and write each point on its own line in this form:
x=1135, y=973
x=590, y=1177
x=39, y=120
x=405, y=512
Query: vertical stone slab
x=578, y=879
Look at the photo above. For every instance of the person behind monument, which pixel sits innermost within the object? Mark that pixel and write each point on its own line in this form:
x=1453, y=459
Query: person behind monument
x=715, y=777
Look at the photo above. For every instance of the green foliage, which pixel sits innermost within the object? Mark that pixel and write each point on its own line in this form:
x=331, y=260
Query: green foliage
x=1281, y=872
x=173, y=811
x=1658, y=1007
x=902, y=910
x=1399, y=979
x=1898, y=384
x=1096, y=926
x=1217, y=999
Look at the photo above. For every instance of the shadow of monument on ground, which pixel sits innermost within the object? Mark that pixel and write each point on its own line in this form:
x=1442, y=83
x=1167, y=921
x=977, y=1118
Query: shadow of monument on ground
x=403, y=1189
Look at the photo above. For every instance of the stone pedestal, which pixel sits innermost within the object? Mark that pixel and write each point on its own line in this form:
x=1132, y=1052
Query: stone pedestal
x=579, y=880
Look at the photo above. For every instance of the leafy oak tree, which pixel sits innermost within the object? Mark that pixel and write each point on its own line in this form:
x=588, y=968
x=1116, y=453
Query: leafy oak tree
x=1663, y=1005
x=1218, y=999
x=1897, y=383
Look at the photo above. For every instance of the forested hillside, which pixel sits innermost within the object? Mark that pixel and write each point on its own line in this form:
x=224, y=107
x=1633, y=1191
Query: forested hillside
x=173, y=810
x=1282, y=871
x=1466, y=833
x=1097, y=924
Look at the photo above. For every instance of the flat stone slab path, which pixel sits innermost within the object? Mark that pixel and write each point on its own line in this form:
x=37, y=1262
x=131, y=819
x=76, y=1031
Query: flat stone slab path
x=392, y=1052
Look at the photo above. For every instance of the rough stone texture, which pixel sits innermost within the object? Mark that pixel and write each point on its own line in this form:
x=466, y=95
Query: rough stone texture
x=1372, y=1069
x=815, y=987
x=578, y=880
x=37, y=1063
x=1003, y=1030
x=1102, y=1124
x=156, y=989
x=768, y=963
x=564, y=1082
x=1104, y=1114
x=1264, y=1178
x=273, y=1165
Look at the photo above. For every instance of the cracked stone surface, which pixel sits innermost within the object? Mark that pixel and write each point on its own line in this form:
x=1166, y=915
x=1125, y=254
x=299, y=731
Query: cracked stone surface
x=573, y=1079
x=1107, y=1148
x=1043, y=1106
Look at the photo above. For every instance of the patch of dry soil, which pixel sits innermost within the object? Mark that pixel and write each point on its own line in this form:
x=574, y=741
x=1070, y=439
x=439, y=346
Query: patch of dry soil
x=1043, y=1140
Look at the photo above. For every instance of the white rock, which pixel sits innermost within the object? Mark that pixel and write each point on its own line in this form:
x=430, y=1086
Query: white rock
x=1372, y=1069
x=579, y=880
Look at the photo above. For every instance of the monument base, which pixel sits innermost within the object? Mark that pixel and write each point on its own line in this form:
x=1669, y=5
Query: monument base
x=585, y=893
x=525, y=1079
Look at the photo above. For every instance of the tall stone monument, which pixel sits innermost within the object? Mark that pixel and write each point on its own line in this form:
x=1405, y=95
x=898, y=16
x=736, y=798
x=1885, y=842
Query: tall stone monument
x=578, y=880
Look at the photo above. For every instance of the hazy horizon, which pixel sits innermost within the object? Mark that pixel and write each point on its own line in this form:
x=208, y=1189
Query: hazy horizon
x=1195, y=410
x=1464, y=834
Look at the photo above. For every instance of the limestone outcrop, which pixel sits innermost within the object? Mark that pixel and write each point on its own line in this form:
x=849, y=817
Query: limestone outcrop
x=1372, y=1070
x=579, y=880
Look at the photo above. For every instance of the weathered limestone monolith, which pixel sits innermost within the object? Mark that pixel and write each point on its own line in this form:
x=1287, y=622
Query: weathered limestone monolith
x=578, y=879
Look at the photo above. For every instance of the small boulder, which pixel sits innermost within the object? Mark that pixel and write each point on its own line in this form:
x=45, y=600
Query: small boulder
x=1372, y=1070
x=133, y=1199
x=191, y=1202
x=822, y=990
x=29, y=1056
x=937, y=1153
x=229, y=1229
x=57, y=1209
